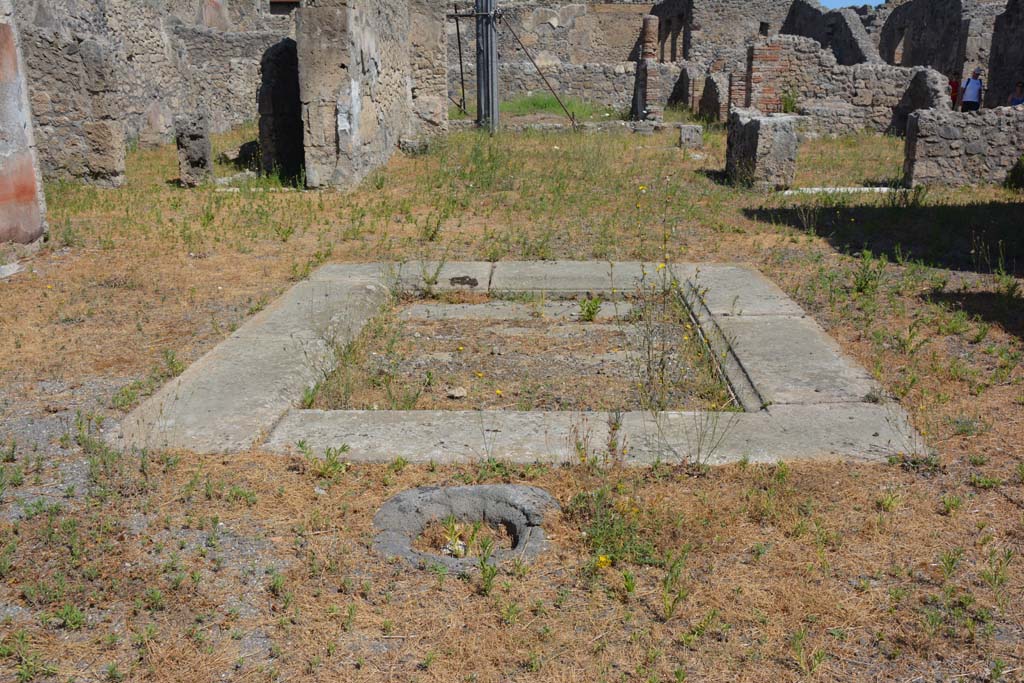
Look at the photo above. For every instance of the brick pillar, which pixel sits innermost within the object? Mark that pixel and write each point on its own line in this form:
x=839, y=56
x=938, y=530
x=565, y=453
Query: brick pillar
x=647, y=89
x=649, y=37
x=22, y=207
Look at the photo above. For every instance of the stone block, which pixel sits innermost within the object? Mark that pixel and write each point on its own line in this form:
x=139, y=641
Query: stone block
x=691, y=137
x=157, y=125
x=761, y=150
x=195, y=153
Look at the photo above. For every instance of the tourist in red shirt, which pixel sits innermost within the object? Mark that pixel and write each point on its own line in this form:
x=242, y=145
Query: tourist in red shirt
x=954, y=90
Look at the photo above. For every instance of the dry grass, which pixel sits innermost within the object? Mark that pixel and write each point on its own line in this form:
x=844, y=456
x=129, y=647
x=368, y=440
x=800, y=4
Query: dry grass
x=258, y=568
x=283, y=584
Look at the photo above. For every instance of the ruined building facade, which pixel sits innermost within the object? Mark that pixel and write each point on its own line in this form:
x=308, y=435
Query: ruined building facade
x=338, y=82
x=591, y=50
x=338, y=85
x=103, y=74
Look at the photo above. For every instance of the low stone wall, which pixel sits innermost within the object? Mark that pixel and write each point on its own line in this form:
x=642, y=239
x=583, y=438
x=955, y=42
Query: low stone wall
x=953, y=148
x=22, y=206
x=875, y=96
x=608, y=85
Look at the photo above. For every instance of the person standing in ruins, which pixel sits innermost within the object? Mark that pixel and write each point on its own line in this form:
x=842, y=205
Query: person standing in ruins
x=1017, y=96
x=971, y=90
x=954, y=90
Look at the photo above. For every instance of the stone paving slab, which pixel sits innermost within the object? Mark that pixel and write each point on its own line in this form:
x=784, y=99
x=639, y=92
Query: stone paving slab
x=803, y=397
x=234, y=395
x=861, y=431
x=318, y=309
x=741, y=291
x=570, y=278
x=792, y=361
x=228, y=398
x=415, y=275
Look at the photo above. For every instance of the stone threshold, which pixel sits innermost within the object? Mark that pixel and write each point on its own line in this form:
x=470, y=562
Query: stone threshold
x=802, y=398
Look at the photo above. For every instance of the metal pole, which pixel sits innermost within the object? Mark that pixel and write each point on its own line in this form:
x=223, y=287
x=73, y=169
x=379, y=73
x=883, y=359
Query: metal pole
x=492, y=61
x=462, y=70
x=480, y=66
x=486, y=65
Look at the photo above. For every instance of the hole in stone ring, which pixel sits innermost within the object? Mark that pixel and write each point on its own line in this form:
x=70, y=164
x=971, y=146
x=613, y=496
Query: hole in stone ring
x=446, y=525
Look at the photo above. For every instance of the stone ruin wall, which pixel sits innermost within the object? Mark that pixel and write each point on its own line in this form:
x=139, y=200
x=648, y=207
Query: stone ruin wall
x=952, y=36
x=838, y=30
x=589, y=50
x=842, y=99
x=981, y=18
x=1006, y=62
x=723, y=30
x=926, y=33
x=22, y=204
x=428, y=55
x=382, y=107
x=953, y=148
x=104, y=74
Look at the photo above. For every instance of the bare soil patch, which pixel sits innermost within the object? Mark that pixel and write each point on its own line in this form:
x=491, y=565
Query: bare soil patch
x=586, y=355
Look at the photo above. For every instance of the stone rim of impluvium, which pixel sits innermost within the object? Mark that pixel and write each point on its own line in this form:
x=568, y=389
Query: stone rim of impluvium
x=520, y=509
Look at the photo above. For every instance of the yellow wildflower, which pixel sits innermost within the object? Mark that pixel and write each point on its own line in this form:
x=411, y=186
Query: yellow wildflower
x=603, y=561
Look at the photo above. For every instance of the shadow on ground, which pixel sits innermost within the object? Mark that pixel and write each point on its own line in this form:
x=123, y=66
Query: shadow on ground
x=715, y=176
x=995, y=308
x=983, y=238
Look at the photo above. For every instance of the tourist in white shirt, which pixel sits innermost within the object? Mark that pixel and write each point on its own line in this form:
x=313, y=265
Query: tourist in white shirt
x=970, y=92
